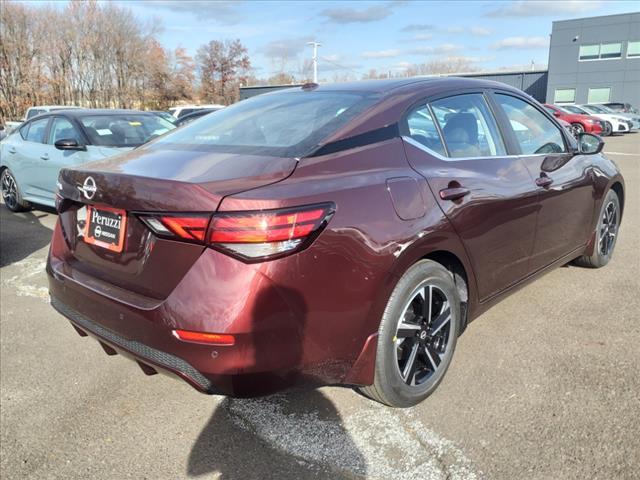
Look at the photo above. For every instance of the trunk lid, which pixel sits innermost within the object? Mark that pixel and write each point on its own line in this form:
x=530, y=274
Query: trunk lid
x=153, y=180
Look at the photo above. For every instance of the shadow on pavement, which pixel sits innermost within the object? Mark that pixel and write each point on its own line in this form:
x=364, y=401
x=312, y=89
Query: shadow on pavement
x=283, y=436
x=21, y=234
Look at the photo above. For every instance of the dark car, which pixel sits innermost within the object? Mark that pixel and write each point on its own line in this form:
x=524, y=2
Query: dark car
x=190, y=117
x=340, y=234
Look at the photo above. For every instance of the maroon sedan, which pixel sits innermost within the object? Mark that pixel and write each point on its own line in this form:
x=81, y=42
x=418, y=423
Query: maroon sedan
x=581, y=123
x=336, y=234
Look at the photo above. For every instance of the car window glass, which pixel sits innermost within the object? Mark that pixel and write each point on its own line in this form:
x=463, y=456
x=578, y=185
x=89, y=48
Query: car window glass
x=33, y=112
x=574, y=109
x=423, y=129
x=63, y=129
x=124, y=130
x=36, y=131
x=468, y=126
x=185, y=111
x=535, y=132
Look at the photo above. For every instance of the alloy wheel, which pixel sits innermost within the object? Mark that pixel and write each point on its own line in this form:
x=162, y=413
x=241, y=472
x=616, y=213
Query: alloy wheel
x=423, y=334
x=578, y=128
x=608, y=229
x=9, y=190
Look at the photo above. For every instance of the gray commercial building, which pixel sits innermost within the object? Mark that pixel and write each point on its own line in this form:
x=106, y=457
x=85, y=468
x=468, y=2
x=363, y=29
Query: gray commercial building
x=593, y=60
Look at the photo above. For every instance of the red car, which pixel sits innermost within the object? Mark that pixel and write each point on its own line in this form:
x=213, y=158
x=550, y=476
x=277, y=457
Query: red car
x=581, y=123
x=342, y=234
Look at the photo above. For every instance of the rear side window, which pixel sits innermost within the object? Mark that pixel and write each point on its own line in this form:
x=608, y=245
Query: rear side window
x=35, y=132
x=468, y=126
x=63, y=129
x=535, y=133
x=422, y=128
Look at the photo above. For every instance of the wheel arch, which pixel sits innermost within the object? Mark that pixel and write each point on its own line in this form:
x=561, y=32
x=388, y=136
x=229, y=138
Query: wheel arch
x=619, y=189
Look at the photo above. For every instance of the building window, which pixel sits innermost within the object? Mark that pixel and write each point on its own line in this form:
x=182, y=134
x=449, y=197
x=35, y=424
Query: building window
x=633, y=49
x=604, y=51
x=564, y=95
x=599, y=95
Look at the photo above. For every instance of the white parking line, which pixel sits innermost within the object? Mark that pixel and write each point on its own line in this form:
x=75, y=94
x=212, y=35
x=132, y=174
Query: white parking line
x=621, y=153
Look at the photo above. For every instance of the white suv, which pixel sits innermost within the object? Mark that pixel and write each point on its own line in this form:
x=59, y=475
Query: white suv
x=182, y=110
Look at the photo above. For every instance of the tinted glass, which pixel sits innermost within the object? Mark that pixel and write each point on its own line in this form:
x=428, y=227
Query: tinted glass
x=535, y=132
x=423, y=129
x=124, y=130
x=63, y=129
x=281, y=124
x=185, y=111
x=36, y=130
x=574, y=109
x=468, y=126
x=33, y=112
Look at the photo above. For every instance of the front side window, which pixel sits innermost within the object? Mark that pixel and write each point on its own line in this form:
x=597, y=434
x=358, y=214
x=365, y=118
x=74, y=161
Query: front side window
x=124, y=130
x=564, y=95
x=534, y=132
x=599, y=95
x=633, y=49
x=63, y=129
x=468, y=126
x=423, y=129
x=283, y=123
x=36, y=130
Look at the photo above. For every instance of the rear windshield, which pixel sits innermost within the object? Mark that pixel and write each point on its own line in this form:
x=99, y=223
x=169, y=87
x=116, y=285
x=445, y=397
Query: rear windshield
x=124, y=130
x=280, y=124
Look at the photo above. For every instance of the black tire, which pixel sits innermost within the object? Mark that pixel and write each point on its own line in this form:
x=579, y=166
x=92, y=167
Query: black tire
x=11, y=192
x=578, y=128
x=390, y=386
x=608, y=129
x=606, y=226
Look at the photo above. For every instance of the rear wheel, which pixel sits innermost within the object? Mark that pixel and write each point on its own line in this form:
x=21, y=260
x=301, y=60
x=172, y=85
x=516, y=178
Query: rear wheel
x=11, y=192
x=417, y=336
x=606, y=234
x=578, y=128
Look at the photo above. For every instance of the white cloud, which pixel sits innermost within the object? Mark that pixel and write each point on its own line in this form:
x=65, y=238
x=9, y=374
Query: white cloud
x=521, y=43
x=390, y=53
x=541, y=8
x=480, y=31
x=455, y=29
x=437, y=50
x=351, y=15
x=419, y=37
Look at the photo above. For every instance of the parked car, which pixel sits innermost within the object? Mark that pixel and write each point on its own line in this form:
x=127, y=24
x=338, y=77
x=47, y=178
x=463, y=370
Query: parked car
x=581, y=122
x=33, y=111
x=347, y=237
x=599, y=109
x=166, y=115
x=195, y=115
x=618, y=124
x=622, y=107
x=182, y=110
x=31, y=158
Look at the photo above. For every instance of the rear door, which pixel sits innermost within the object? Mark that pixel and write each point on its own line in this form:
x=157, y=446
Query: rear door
x=31, y=157
x=564, y=180
x=487, y=193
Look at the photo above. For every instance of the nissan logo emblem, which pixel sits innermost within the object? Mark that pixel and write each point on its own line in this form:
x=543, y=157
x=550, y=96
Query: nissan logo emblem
x=88, y=188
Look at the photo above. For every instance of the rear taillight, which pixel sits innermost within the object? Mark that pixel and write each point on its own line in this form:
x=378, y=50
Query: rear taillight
x=251, y=236
x=257, y=235
x=205, y=337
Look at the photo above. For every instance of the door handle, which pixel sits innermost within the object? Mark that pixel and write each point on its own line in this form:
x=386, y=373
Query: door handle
x=543, y=181
x=44, y=156
x=12, y=150
x=454, y=193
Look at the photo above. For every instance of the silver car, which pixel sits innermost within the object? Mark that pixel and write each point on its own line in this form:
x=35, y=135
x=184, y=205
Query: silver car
x=31, y=157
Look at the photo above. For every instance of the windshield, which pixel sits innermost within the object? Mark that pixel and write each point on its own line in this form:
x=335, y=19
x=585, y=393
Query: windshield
x=279, y=124
x=574, y=109
x=124, y=130
x=594, y=109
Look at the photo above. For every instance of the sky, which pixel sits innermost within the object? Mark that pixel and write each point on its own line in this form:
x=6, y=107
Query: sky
x=357, y=36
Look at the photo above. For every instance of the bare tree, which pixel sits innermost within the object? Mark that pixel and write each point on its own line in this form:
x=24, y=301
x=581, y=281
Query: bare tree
x=222, y=66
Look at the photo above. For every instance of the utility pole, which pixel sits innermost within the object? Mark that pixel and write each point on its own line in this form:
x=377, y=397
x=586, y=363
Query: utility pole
x=315, y=46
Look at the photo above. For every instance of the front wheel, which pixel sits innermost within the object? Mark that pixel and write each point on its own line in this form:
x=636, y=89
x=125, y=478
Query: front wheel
x=417, y=336
x=606, y=234
x=608, y=129
x=11, y=192
x=578, y=128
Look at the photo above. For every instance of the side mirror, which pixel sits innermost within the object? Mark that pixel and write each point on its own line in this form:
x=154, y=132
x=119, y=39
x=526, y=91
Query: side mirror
x=69, y=144
x=589, y=144
x=556, y=114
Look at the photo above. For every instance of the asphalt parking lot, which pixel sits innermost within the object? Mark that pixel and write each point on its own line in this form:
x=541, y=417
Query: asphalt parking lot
x=543, y=386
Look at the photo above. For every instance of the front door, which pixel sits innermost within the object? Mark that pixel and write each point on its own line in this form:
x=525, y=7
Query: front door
x=488, y=195
x=564, y=180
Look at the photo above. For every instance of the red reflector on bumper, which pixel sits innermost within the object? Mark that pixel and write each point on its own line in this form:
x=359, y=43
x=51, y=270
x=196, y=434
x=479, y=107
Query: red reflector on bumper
x=204, y=337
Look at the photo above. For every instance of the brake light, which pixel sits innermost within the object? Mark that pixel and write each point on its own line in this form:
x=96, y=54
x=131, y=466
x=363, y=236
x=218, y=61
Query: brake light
x=192, y=227
x=268, y=233
x=205, y=337
x=250, y=236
